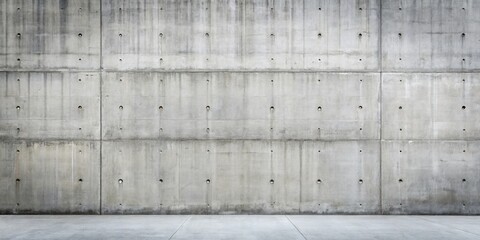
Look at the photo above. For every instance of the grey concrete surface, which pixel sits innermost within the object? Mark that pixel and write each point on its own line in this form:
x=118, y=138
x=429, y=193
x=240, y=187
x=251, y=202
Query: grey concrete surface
x=284, y=106
x=430, y=177
x=239, y=227
x=237, y=35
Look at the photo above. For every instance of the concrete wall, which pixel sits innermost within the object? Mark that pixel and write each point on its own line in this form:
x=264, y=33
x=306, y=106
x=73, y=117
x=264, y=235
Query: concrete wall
x=351, y=106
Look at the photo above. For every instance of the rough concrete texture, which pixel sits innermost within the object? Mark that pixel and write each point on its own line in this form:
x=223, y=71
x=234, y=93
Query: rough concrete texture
x=239, y=106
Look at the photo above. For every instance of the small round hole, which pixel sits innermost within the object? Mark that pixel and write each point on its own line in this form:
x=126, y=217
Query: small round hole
x=19, y=35
x=208, y=130
x=18, y=150
x=160, y=180
x=360, y=181
x=401, y=129
x=272, y=181
x=207, y=34
x=400, y=107
x=463, y=107
x=400, y=180
x=208, y=181
x=120, y=107
x=18, y=107
x=463, y=34
x=272, y=108
x=464, y=180
x=80, y=35
x=207, y=107
x=361, y=129
x=80, y=107
x=319, y=181
x=80, y=180
x=272, y=35
x=160, y=108
x=399, y=34
x=120, y=181
x=319, y=35
x=120, y=35
x=360, y=35
x=319, y=108
x=360, y=107
x=80, y=129
x=17, y=180
x=160, y=35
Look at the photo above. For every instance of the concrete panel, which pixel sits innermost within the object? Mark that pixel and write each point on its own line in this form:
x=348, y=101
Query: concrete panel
x=3, y=33
x=50, y=105
x=239, y=106
x=51, y=34
x=49, y=177
x=430, y=177
x=200, y=177
x=430, y=35
x=247, y=34
x=340, y=177
x=431, y=106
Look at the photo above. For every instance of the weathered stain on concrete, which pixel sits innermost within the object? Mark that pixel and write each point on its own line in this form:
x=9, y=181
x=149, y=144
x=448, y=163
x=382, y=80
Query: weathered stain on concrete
x=359, y=107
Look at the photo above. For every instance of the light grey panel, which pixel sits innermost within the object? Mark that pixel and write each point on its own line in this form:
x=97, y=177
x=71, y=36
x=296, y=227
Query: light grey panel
x=430, y=35
x=247, y=34
x=50, y=105
x=3, y=34
x=200, y=177
x=51, y=34
x=340, y=177
x=49, y=177
x=224, y=105
x=430, y=177
x=431, y=106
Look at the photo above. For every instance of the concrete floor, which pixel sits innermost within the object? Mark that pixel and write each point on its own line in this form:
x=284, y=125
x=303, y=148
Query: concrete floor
x=239, y=227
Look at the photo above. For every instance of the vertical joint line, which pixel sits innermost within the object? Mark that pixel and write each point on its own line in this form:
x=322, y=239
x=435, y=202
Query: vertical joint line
x=380, y=58
x=101, y=105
